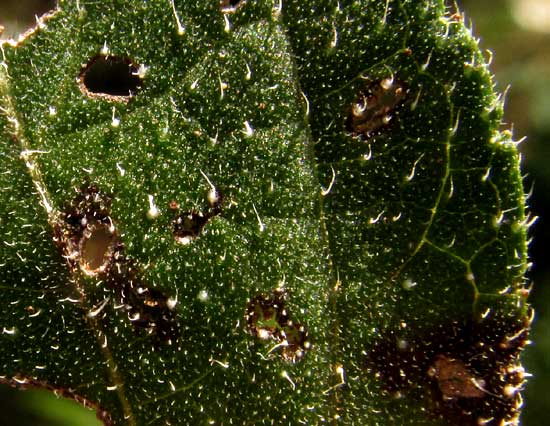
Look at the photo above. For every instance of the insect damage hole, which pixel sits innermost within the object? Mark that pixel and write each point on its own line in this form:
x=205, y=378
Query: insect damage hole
x=188, y=226
x=268, y=320
x=113, y=78
x=91, y=244
x=96, y=248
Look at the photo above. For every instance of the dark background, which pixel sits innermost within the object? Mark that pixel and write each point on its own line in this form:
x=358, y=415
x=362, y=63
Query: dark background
x=518, y=34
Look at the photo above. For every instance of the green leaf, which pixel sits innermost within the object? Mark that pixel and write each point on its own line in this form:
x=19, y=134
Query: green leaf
x=261, y=212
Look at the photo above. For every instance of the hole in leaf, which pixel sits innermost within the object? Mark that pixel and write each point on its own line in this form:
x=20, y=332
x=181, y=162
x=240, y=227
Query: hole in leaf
x=96, y=248
x=376, y=107
x=268, y=320
x=265, y=316
x=110, y=77
x=188, y=226
x=19, y=17
x=230, y=6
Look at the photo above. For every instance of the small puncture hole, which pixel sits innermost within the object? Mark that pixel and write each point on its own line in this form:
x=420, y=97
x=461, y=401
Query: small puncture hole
x=110, y=77
x=187, y=226
x=96, y=249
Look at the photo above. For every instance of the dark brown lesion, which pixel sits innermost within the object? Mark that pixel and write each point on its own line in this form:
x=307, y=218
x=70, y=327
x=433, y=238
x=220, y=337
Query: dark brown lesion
x=188, y=225
x=465, y=372
x=112, y=78
x=89, y=240
x=268, y=319
x=151, y=310
x=376, y=107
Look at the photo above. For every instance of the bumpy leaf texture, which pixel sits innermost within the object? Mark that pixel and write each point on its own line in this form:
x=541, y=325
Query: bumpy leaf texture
x=259, y=213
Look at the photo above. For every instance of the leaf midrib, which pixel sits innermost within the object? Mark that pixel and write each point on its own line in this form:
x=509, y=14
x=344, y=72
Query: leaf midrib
x=8, y=109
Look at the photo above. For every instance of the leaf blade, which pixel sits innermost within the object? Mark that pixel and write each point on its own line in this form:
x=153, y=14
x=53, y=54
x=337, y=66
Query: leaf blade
x=214, y=113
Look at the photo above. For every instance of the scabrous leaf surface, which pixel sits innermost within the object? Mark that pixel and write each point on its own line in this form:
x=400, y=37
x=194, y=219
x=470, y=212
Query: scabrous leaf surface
x=259, y=213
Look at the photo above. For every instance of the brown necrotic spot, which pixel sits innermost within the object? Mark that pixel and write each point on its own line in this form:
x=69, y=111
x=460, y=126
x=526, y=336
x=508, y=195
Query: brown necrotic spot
x=89, y=241
x=112, y=78
x=465, y=372
x=267, y=319
x=376, y=107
